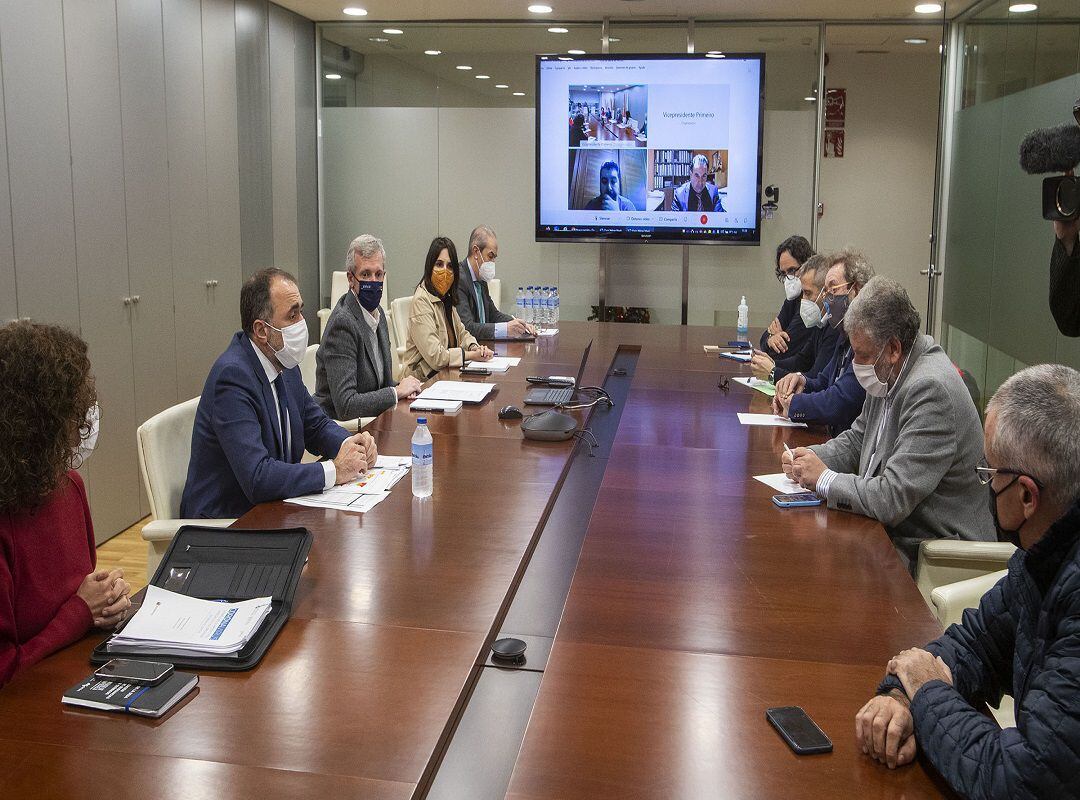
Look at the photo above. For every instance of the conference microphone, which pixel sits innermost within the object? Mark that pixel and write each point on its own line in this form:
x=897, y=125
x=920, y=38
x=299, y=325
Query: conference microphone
x=1055, y=150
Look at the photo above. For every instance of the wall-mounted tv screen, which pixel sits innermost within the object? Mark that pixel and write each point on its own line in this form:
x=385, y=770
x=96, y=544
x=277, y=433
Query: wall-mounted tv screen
x=662, y=148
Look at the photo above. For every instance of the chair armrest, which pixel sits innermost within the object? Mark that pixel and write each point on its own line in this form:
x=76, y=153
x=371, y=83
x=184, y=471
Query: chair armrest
x=163, y=530
x=351, y=425
x=324, y=315
x=949, y=601
x=945, y=561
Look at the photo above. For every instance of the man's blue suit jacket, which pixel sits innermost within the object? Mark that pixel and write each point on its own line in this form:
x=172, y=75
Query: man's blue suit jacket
x=234, y=446
x=834, y=396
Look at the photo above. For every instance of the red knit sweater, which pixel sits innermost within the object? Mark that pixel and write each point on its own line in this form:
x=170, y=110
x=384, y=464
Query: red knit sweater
x=44, y=556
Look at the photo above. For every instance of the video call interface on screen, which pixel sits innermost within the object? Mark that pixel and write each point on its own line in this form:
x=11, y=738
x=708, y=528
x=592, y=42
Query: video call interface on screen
x=637, y=147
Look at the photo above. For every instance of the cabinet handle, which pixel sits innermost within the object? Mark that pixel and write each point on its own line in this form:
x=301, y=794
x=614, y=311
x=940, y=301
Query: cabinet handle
x=208, y=284
x=135, y=299
x=214, y=282
x=127, y=301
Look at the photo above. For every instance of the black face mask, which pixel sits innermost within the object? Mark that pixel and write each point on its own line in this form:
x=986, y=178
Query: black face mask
x=1013, y=536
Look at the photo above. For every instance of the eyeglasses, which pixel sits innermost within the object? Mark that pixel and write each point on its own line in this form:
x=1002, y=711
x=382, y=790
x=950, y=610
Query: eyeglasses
x=987, y=473
x=783, y=275
x=831, y=294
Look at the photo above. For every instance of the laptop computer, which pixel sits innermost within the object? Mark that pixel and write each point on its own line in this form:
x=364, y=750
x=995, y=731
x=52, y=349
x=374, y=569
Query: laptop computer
x=557, y=396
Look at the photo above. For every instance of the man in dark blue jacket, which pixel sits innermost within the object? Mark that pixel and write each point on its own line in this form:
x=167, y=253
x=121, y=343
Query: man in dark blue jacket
x=256, y=418
x=833, y=396
x=1024, y=637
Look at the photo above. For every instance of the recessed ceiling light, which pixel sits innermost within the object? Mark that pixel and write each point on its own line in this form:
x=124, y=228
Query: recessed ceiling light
x=519, y=94
x=1023, y=8
x=576, y=52
x=354, y=11
x=537, y=8
x=915, y=41
x=810, y=99
x=393, y=31
x=433, y=52
x=378, y=39
x=565, y=58
x=558, y=30
x=714, y=55
x=332, y=76
x=464, y=66
x=927, y=8
x=502, y=86
x=482, y=77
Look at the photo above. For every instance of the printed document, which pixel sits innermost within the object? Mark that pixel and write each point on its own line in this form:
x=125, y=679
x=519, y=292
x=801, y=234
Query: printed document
x=769, y=419
x=465, y=391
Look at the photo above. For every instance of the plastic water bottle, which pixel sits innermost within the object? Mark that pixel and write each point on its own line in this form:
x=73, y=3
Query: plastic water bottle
x=743, y=325
x=526, y=308
x=533, y=310
x=520, y=305
x=423, y=468
x=555, y=319
x=545, y=306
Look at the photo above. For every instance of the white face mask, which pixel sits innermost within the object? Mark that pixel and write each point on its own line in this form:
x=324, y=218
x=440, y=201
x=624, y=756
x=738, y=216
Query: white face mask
x=487, y=270
x=85, y=447
x=810, y=313
x=792, y=287
x=294, y=344
x=868, y=378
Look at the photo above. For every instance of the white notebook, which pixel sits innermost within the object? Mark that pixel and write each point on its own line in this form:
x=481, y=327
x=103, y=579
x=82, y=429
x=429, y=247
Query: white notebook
x=446, y=406
x=496, y=364
x=463, y=391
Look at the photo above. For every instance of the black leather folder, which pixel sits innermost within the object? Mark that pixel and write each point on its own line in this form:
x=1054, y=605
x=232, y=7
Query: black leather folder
x=232, y=565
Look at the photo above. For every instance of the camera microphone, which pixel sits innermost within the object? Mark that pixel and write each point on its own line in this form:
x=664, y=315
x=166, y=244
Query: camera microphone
x=1050, y=150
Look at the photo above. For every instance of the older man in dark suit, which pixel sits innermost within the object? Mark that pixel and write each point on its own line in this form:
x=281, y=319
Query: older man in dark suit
x=697, y=194
x=474, y=304
x=354, y=368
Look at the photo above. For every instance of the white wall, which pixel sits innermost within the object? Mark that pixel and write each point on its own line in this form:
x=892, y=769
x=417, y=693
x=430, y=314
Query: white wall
x=879, y=197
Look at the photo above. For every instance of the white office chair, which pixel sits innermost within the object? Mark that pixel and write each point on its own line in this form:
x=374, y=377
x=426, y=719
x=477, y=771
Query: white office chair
x=339, y=284
x=495, y=290
x=399, y=316
x=164, y=445
x=949, y=603
x=947, y=561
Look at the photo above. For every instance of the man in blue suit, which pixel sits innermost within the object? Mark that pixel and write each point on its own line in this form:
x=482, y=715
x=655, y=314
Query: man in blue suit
x=833, y=396
x=256, y=418
x=697, y=194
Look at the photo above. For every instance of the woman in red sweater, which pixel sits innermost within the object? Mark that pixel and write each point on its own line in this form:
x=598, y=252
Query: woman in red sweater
x=50, y=592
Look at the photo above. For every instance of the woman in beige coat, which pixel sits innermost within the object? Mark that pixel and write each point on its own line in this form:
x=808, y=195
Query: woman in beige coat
x=436, y=338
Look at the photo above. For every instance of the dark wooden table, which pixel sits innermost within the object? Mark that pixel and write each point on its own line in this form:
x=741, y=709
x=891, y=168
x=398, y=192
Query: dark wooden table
x=695, y=605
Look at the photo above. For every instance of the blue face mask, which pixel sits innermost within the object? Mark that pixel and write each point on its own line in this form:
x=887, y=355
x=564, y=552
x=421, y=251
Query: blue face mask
x=369, y=295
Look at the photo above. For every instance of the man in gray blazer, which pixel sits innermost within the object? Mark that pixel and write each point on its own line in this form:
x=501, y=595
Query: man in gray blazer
x=474, y=304
x=909, y=459
x=354, y=372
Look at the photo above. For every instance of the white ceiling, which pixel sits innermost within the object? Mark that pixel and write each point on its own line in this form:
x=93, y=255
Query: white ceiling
x=569, y=10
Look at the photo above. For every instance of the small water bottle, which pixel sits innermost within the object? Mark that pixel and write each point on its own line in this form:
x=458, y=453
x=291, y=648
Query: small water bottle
x=555, y=319
x=743, y=325
x=545, y=306
x=534, y=305
x=528, y=315
x=519, y=308
x=423, y=467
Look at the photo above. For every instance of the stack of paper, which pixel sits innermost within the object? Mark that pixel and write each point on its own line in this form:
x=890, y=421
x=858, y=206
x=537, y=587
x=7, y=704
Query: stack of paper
x=765, y=387
x=495, y=364
x=446, y=406
x=781, y=483
x=465, y=391
x=365, y=492
x=174, y=624
x=770, y=420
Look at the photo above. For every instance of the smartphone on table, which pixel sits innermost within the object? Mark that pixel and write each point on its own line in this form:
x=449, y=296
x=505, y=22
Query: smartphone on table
x=802, y=499
x=799, y=731
x=126, y=670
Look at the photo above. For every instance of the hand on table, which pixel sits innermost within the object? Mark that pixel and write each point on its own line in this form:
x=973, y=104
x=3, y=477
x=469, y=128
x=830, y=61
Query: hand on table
x=915, y=667
x=518, y=327
x=780, y=404
x=774, y=327
x=885, y=731
x=351, y=459
x=408, y=387
x=778, y=342
x=805, y=467
x=762, y=365
x=479, y=353
x=107, y=595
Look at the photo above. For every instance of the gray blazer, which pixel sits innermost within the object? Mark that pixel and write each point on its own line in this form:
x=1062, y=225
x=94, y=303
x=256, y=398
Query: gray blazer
x=347, y=384
x=921, y=481
x=468, y=310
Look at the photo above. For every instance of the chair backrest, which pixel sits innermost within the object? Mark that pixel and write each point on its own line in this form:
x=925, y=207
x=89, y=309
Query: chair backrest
x=307, y=368
x=399, y=316
x=495, y=290
x=164, y=445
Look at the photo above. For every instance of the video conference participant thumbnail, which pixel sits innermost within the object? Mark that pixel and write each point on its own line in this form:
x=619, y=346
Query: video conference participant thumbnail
x=697, y=194
x=607, y=180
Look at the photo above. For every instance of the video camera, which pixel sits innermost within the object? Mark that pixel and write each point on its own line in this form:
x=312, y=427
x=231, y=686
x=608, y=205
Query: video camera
x=1055, y=150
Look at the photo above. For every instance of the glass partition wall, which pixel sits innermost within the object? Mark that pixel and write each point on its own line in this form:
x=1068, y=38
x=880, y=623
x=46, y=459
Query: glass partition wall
x=1013, y=72
x=429, y=129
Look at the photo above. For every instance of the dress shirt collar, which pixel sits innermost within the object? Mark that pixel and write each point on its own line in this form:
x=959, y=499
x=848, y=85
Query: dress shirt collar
x=268, y=366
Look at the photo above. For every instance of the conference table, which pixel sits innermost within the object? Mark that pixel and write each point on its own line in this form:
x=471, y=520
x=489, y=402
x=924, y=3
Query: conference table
x=665, y=600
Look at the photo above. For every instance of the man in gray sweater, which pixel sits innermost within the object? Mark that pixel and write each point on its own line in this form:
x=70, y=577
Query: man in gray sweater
x=909, y=459
x=354, y=374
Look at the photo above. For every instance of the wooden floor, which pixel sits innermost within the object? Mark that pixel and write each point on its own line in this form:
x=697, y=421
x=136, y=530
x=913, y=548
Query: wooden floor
x=126, y=550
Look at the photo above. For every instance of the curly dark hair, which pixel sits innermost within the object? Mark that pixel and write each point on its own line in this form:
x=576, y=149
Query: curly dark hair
x=46, y=391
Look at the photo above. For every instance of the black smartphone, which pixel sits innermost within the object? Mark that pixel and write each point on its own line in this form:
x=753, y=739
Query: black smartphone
x=739, y=343
x=475, y=371
x=798, y=730
x=143, y=673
